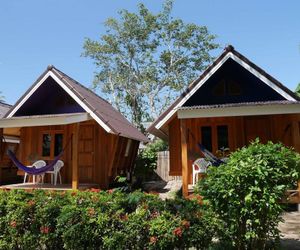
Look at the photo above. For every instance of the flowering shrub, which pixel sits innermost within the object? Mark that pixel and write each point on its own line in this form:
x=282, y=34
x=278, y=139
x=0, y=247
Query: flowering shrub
x=101, y=220
x=246, y=193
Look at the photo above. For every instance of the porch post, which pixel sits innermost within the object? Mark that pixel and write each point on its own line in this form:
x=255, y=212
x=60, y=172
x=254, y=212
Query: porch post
x=184, y=158
x=75, y=156
x=296, y=145
x=1, y=144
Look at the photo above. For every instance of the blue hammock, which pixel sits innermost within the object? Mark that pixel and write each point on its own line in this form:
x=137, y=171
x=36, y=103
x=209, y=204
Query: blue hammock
x=33, y=170
x=215, y=161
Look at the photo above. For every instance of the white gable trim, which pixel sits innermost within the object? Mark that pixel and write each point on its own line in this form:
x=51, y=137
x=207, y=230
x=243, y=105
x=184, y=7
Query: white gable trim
x=274, y=109
x=39, y=83
x=43, y=120
x=262, y=78
x=211, y=72
x=81, y=103
x=69, y=91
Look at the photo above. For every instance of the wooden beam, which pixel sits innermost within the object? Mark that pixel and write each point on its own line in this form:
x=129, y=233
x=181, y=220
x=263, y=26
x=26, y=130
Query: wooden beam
x=75, y=140
x=113, y=156
x=296, y=145
x=184, y=158
x=1, y=144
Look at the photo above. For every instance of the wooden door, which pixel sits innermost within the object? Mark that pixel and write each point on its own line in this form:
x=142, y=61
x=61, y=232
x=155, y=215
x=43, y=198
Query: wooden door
x=86, y=157
x=258, y=126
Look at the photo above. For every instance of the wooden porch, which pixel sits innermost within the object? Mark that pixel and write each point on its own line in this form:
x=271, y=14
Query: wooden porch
x=48, y=186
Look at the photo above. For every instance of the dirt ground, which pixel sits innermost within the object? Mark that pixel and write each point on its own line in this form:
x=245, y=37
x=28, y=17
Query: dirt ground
x=290, y=228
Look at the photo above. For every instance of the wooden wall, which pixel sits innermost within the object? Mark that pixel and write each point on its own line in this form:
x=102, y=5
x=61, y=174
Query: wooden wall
x=277, y=128
x=101, y=156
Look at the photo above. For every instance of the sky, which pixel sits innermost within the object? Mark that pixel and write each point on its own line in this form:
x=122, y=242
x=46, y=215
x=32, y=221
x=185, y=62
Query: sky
x=36, y=33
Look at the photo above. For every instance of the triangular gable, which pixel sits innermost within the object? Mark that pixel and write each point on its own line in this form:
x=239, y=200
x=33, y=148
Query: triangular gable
x=277, y=90
x=78, y=99
x=49, y=98
x=43, y=79
x=232, y=83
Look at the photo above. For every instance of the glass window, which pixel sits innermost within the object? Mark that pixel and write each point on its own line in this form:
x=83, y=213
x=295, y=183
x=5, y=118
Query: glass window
x=46, y=145
x=222, y=134
x=206, y=135
x=58, y=144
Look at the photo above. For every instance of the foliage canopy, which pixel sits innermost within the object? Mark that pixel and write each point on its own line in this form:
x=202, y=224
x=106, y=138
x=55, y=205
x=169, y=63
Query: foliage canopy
x=144, y=60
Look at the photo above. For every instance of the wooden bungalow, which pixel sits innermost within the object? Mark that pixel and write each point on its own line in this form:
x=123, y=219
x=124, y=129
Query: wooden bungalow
x=233, y=102
x=57, y=112
x=10, y=140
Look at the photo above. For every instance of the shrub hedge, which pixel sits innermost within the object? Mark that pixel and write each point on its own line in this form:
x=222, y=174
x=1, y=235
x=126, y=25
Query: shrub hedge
x=101, y=220
x=247, y=191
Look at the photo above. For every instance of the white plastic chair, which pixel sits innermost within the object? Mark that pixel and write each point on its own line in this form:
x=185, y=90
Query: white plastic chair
x=37, y=164
x=56, y=172
x=199, y=167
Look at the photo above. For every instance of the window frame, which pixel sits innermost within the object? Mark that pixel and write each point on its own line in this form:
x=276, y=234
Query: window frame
x=214, y=134
x=52, y=133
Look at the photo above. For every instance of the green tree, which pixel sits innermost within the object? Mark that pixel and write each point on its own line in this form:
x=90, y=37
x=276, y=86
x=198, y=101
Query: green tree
x=2, y=98
x=246, y=192
x=145, y=60
x=297, y=90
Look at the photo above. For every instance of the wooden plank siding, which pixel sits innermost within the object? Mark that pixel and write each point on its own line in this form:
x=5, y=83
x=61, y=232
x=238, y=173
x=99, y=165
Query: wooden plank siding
x=98, y=151
x=277, y=128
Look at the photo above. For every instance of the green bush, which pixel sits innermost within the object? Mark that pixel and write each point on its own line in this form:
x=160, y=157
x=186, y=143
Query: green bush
x=101, y=220
x=246, y=193
x=147, y=159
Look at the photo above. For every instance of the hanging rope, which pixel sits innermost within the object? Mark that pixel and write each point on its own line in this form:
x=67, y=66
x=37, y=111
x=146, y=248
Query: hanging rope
x=33, y=170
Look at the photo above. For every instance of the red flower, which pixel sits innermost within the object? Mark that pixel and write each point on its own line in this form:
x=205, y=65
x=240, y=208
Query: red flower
x=95, y=190
x=154, y=193
x=177, y=231
x=186, y=224
x=95, y=198
x=91, y=211
x=13, y=224
x=110, y=191
x=31, y=203
x=154, y=214
x=44, y=230
x=123, y=217
x=153, y=239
